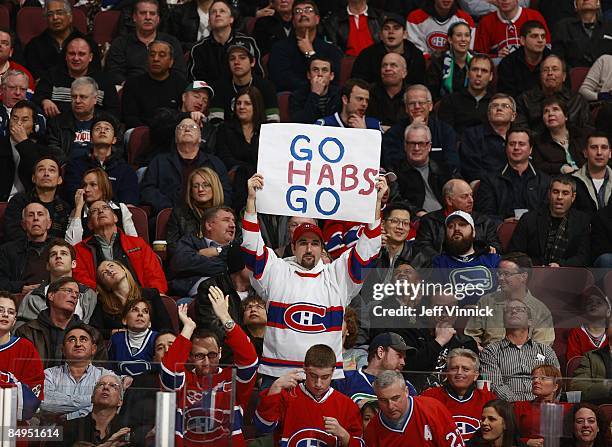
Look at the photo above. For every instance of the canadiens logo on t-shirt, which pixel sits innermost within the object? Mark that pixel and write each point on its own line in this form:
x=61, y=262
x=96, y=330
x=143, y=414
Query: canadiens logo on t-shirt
x=311, y=437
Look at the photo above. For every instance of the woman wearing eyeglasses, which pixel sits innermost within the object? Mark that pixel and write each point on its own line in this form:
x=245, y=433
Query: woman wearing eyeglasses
x=237, y=142
x=96, y=186
x=204, y=191
x=545, y=386
x=118, y=289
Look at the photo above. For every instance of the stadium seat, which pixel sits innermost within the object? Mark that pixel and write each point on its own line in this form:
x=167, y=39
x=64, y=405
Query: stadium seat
x=105, y=26
x=504, y=234
x=5, y=17
x=264, y=63
x=141, y=222
x=572, y=364
x=560, y=346
x=250, y=25
x=161, y=224
x=138, y=144
x=283, y=105
x=31, y=22
x=607, y=284
x=577, y=75
x=2, y=211
x=346, y=67
x=607, y=410
x=172, y=310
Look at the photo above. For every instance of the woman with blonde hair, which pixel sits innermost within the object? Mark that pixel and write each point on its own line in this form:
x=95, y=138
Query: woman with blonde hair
x=96, y=186
x=117, y=289
x=204, y=191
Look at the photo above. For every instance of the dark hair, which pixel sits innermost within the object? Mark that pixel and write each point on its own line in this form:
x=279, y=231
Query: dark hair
x=60, y=282
x=201, y=333
x=106, y=118
x=211, y=213
x=10, y=296
x=164, y=332
x=10, y=33
x=559, y=58
x=25, y=104
x=522, y=260
x=233, y=11
x=598, y=134
x=318, y=57
x=129, y=304
x=259, y=108
x=530, y=25
x=162, y=42
x=84, y=327
x=393, y=207
x=59, y=242
x=48, y=157
x=138, y=2
x=484, y=57
x=254, y=298
x=370, y=404
x=518, y=129
x=511, y=435
x=603, y=438
x=306, y=2
x=554, y=99
x=451, y=29
x=320, y=356
x=103, y=183
x=564, y=179
x=352, y=326
x=354, y=82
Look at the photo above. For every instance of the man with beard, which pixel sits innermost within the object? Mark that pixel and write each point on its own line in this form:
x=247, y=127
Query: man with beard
x=460, y=263
x=355, y=100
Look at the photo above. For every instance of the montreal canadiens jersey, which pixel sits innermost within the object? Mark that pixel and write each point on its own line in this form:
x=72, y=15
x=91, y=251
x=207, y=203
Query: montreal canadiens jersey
x=305, y=307
x=579, y=342
x=466, y=412
x=429, y=424
x=340, y=236
x=357, y=385
x=527, y=415
x=20, y=366
x=132, y=360
x=299, y=417
x=204, y=403
x=428, y=34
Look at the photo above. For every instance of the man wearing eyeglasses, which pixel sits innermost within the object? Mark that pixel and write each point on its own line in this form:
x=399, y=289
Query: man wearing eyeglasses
x=45, y=50
x=508, y=363
x=289, y=57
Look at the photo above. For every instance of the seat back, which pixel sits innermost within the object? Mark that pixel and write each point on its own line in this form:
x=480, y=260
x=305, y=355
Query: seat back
x=3, y=206
x=172, y=310
x=283, y=106
x=161, y=224
x=106, y=26
x=31, y=22
x=5, y=17
x=141, y=222
x=346, y=67
x=504, y=233
x=577, y=75
x=138, y=144
x=572, y=364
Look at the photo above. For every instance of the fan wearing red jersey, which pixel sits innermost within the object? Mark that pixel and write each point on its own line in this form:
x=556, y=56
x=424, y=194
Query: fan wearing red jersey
x=20, y=364
x=310, y=412
x=404, y=420
x=459, y=395
x=203, y=392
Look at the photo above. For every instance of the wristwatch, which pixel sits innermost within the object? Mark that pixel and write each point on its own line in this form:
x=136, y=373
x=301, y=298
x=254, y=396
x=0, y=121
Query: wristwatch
x=229, y=325
x=309, y=54
x=219, y=249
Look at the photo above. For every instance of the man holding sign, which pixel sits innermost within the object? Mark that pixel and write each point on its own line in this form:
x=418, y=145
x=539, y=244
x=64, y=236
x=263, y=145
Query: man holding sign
x=305, y=298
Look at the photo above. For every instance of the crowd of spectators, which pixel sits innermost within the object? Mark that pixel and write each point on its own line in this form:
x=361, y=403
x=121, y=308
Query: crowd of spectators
x=495, y=169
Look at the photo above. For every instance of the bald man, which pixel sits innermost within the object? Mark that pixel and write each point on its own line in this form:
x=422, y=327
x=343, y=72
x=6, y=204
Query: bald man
x=387, y=95
x=457, y=196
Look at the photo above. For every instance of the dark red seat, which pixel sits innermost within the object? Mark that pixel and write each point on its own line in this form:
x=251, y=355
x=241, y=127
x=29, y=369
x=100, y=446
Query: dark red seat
x=105, y=26
x=139, y=143
x=31, y=22
x=141, y=222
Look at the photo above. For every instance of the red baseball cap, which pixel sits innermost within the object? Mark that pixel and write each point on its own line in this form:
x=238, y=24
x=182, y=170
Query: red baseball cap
x=306, y=228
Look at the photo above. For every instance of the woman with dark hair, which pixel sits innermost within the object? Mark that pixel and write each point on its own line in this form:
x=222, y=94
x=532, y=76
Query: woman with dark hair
x=204, y=191
x=96, y=186
x=588, y=426
x=497, y=426
x=447, y=73
x=353, y=357
x=237, y=142
x=117, y=291
x=558, y=150
x=545, y=386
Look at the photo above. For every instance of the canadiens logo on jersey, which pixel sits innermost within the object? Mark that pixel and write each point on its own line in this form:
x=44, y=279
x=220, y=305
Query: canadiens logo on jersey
x=466, y=425
x=311, y=437
x=305, y=318
x=437, y=40
x=213, y=424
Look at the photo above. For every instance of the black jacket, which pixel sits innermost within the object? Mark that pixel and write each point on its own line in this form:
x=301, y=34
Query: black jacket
x=482, y=151
x=29, y=151
x=461, y=110
x=182, y=221
x=122, y=177
x=430, y=236
x=601, y=232
x=13, y=262
x=573, y=44
x=304, y=105
x=268, y=31
x=367, y=64
x=43, y=52
x=412, y=186
x=433, y=77
x=55, y=85
x=443, y=145
x=549, y=156
x=531, y=233
x=529, y=109
x=514, y=75
x=336, y=26
x=60, y=136
x=184, y=24
x=386, y=109
x=162, y=185
x=59, y=211
x=587, y=199
x=495, y=194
